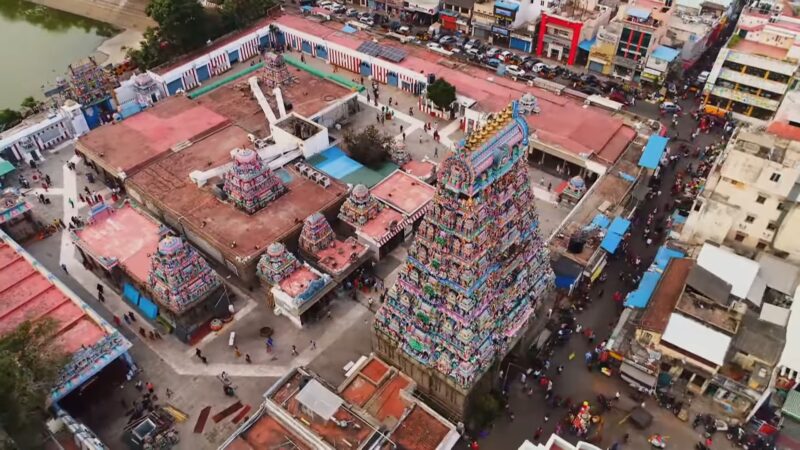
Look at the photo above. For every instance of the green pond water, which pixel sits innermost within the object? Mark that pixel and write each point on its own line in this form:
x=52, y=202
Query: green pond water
x=37, y=44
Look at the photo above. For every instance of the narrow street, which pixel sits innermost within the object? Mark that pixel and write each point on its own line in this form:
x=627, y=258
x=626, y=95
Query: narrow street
x=578, y=384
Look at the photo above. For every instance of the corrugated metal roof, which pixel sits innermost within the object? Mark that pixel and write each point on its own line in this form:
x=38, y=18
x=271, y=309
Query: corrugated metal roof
x=319, y=399
x=696, y=339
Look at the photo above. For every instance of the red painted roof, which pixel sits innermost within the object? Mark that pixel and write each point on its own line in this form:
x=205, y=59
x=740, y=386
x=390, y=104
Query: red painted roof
x=26, y=294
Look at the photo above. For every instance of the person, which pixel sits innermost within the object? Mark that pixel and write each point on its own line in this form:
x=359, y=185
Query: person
x=247, y=358
x=64, y=268
x=150, y=387
x=117, y=321
x=538, y=434
x=313, y=345
x=474, y=445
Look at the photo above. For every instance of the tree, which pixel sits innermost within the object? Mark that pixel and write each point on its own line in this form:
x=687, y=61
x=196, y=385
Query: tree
x=149, y=53
x=29, y=367
x=31, y=104
x=369, y=147
x=181, y=23
x=442, y=94
x=241, y=13
x=9, y=118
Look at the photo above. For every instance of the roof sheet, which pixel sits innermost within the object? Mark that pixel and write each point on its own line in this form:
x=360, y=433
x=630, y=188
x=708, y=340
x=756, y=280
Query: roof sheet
x=601, y=221
x=663, y=256
x=697, y=339
x=619, y=225
x=639, y=13
x=651, y=156
x=667, y=294
x=641, y=296
x=790, y=357
x=778, y=274
x=610, y=242
x=791, y=406
x=763, y=340
x=665, y=53
x=710, y=285
x=737, y=270
x=319, y=399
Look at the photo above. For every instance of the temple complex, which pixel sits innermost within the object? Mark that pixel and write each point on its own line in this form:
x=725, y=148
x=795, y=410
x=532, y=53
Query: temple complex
x=295, y=287
x=334, y=257
x=360, y=207
x=250, y=184
x=476, y=269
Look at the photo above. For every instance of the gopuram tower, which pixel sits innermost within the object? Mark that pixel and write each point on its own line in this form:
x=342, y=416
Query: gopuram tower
x=475, y=271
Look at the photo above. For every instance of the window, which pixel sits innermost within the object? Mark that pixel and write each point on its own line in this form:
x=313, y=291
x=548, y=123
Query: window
x=775, y=177
x=740, y=237
x=761, y=199
x=772, y=226
x=761, y=245
x=780, y=206
x=749, y=219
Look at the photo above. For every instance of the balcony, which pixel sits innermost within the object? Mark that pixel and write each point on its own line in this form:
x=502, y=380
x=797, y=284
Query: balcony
x=753, y=81
x=762, y=62
x=747, y=99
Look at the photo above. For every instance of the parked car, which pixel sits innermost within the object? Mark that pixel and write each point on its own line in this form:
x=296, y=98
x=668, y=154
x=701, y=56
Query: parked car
x=404, y=30
x=539, y=67
x=444, y=40
x=434, y=46
x=620, y=97
x=472, y=43
x=365, y=14
x=324, y=3
x=515, y=70
x=493, y=62
x=366, y=20
x=351, y=12
x=505, y=55
x=473, y=51
x=492, y=52
x=669, y=107
x=703, y=77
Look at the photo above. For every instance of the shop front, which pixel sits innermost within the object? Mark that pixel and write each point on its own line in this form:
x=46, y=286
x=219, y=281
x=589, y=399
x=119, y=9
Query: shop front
x=481, y=31
x=501, y=37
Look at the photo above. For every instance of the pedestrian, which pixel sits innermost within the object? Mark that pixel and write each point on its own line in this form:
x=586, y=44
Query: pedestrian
x=401, y=128
x=41, y=198
x=169, y=393
x=47, y=179
x=198, y=353
x=474, y=445
x=204, y=359
x=44, y=186
x=100, y=288
x=523, y=378
x=546, y=418
x=560, y=369
x=101, y=297
x=126, y=319
x=294, y=351
x=313, y=345
x=142, y=332
x=247, y=358
x=150, y=387
x=538, y=434
x=236, y=351
x=64, y=268
x=436, y=151
x=404, y=136
x=61, y=222
x=117, y=321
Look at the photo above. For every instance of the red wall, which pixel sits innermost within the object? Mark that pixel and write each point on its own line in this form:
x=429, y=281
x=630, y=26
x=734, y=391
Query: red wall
x=576, y=35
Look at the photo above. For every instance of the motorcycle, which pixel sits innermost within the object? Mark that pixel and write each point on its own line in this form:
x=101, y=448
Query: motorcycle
x=657, y=441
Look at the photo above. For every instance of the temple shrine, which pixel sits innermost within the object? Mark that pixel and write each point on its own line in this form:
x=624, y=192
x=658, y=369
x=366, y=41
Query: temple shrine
x=334, y=257
x=295, y=287
x=475, y=271
x=250, y=184
x=571, y=191
x=89, y=83
x=360, y=207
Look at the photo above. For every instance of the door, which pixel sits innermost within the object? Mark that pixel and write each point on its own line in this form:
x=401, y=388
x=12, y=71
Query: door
x=234, y=56
x=595, y=66
x=306, y=47
x=366, y=69
x=264, y=41
x=391, y=79
x=202, y=73
x=174, y=86
x=322, y=52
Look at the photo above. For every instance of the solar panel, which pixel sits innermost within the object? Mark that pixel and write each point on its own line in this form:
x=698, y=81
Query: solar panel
x=370, y=48
x=393, y=54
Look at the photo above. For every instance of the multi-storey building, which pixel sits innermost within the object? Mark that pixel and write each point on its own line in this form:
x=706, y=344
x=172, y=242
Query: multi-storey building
x=694, y=26
x=565, y=28
x=455, y=15
x=506, y=23
x=755, y=70
x=750, y=199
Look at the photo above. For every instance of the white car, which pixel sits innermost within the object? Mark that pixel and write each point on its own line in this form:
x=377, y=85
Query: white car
x=492, y=51
x=324, y=3
x=472, y=51
x=471, y=43
x=504, y=55
x=366, y=20
x=434, y=46
x=538, y=67
x=515, y=71
x=404, y=30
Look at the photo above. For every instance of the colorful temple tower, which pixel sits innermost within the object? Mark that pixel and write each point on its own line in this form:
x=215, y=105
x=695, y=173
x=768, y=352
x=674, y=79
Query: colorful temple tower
x=180, y=277
x=318, y=244
x=250, y=184
x=317, y=234
x=476, y=268
x=360, y=207
x=276, y=264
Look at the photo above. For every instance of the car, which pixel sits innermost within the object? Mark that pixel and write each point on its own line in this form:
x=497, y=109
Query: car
x=473, y=51
x=434, y=46
x=515, y=71
x=365, y=14
x=472, y=43
x=404, y=30
x=669, y=107
x=703, y=77
x=493, y=62
x=351, y=12
x=329, y=7
x=620, y=97
x=505, y=54
x=324, y=3
x=539, y=67
x=447, y=39
x=492, y=52
x=366, y=20
x=339, y=9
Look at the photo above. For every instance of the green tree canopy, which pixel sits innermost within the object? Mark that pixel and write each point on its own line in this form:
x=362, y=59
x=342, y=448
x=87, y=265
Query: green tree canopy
x=149, y=53
x=369, y=147
x=9, y=118
x=29, y=368
x=181, y=23
x=442, y=93
x=241, y=13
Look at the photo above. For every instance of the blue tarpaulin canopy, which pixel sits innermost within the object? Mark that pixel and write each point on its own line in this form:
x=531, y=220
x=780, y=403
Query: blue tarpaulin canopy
x=619, y=226
x=587, y=44
x=611, y=242
x=506, y=6
x=665, y=53
x=664, y=255
x=639, y=13
x=678, y=219
x=349, y=29
x=641, y=296
x=652, y=151
x=601, y=221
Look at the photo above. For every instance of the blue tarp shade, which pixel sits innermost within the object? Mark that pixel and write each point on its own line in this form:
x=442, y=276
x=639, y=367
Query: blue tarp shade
x=507, y=6
x=306, y=8
x=611, y=242
x=641, y=296
x=652, y=151
x=619, y=226
x=665, y=53
x=601, y=221
x=678, y=219
x=564, y=281
x=587, y=44
x=349, y=29
x=639, y=13
x=664, y=255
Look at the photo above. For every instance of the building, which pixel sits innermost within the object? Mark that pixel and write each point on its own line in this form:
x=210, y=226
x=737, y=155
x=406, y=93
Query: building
x=455, y=15
x=754, y=71
x=695, y=26
x=375, y=407
x=29, y=292
x=16, y=216
x=26, y=141
x=506, y=23
x=319, y=245
x=662, y=63
x=566, y=28
x=295, y=287
x=449, y=278
x=749, y=202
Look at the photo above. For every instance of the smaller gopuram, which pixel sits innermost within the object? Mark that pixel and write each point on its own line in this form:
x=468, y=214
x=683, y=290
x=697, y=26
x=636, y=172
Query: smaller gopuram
x=180, y=279
x=334, y=257
x=250, y=184
x=295, y=287
x=360, y=207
